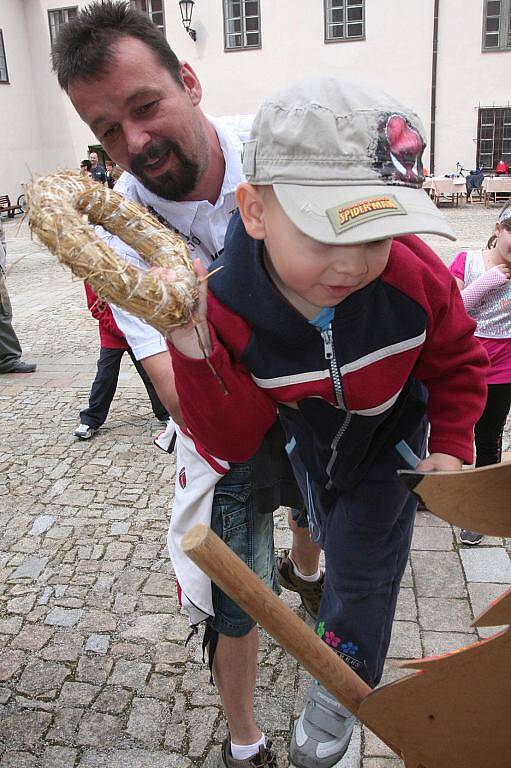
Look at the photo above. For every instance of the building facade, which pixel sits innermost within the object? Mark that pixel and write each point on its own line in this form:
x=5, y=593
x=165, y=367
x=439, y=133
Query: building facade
x=449, y=59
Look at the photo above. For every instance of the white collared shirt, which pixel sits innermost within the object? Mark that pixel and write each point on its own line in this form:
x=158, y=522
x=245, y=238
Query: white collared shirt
x=202, y=224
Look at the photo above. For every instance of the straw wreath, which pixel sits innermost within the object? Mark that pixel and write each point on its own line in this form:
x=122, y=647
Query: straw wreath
x=61, y=208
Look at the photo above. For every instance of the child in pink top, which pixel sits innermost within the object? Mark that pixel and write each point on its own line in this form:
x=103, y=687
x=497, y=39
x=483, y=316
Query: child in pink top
x=484, y=278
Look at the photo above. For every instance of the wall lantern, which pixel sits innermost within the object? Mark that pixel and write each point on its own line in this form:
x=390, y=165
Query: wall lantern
x=186, y=8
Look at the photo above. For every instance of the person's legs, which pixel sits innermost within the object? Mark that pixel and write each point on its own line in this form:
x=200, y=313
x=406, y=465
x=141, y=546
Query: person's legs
x=490, y=427
x=10, y=348
x=488, y=439
x=234, y=668
x=366, y=534
x=298, y=570
x=232, y=638
x=103, y=388
x=159, y=409
x=304, y=552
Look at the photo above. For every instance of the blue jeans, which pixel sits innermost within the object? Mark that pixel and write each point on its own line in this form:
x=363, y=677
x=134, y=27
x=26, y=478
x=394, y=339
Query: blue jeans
x=249, y=534
x=366, y=535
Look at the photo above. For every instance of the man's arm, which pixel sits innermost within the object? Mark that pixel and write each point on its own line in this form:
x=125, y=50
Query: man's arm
x=159, y=369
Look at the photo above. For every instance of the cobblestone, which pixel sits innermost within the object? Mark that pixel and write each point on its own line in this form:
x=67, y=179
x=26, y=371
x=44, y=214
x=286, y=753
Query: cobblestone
x=93, y=668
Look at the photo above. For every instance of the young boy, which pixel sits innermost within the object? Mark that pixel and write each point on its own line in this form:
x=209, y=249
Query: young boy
x=331, y=314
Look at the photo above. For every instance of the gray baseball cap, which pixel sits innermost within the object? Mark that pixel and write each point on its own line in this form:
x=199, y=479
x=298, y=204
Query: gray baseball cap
x=344, y=161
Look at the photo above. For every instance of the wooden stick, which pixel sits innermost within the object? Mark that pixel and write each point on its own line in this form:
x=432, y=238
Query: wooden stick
x=234, y=578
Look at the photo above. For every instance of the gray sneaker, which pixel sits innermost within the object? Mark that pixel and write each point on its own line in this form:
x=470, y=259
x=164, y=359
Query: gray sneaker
x=323, y=731
x=263, y=759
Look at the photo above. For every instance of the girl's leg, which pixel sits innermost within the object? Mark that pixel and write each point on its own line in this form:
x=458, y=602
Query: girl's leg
x=490, y=427
x=488, y=438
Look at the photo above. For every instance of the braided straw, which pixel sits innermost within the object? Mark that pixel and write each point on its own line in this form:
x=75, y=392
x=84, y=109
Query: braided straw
x=60, y=205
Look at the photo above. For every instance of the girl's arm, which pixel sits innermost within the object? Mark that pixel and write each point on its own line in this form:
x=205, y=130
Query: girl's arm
x=475, y=292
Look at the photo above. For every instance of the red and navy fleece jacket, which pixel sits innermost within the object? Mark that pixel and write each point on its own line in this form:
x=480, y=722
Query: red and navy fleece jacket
x=111, y=337
x=360, y=387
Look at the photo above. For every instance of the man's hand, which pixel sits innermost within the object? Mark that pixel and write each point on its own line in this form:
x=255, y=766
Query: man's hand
x=439, y=462
x=185, y=338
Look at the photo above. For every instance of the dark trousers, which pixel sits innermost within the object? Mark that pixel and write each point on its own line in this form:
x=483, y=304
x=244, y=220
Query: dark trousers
x=104, y=386
x=366, y=535
x=10, y=348
x=490, y=427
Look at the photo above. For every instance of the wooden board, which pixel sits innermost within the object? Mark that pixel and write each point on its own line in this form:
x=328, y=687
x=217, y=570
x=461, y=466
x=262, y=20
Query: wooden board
x=455, y=712
x=477, y=499
x=498, y=614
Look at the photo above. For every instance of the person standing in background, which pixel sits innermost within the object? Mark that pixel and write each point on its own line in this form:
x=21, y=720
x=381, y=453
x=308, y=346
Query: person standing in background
x=97, y=170
x=10, y=348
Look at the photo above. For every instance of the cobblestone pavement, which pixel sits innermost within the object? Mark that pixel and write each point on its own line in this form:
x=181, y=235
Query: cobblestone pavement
x=93, y=668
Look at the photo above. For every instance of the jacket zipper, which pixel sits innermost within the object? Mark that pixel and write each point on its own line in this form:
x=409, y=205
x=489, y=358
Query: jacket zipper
x=328, y=345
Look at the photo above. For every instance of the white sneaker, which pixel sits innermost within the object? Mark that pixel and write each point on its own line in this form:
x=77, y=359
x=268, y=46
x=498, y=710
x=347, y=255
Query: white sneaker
x=85, y=432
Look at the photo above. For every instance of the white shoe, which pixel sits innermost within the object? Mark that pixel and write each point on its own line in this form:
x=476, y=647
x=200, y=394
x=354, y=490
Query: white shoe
x=85, y=432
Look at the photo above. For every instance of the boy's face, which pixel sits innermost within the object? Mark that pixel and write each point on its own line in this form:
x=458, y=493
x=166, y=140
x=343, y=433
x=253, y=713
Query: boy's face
x=313, y=275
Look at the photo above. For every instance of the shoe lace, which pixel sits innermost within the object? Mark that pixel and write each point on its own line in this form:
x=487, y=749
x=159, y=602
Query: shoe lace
x=265, y=758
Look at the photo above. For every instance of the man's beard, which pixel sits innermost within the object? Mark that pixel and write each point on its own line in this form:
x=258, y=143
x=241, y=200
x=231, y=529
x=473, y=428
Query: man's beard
x=171, y=185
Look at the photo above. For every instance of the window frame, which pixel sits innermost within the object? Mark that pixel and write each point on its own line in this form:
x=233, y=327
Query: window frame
x=504, y=31
x=243, y=32
x=3, y=54
x=498, y=136
x=59, y=10
x=149, y=13
x=327, y=7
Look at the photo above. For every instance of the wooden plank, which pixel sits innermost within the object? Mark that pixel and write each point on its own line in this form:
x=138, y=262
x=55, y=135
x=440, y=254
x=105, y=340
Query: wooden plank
x=477, y=499
x=454, y=712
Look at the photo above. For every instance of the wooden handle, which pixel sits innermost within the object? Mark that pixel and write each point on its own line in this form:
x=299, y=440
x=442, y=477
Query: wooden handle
x=210, y=553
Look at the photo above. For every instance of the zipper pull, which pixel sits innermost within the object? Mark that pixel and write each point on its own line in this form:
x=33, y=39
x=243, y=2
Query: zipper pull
x=327, y=342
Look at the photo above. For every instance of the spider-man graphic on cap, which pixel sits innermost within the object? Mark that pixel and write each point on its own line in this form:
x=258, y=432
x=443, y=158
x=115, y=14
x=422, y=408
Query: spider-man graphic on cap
x=399, y=151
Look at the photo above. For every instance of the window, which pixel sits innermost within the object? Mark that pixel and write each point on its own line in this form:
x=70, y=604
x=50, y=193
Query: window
x=493, y=137
x=4, y=76
x=57, y=18
x=153, y=9
x=242, y=24
x=344, y=20
x=497, y=25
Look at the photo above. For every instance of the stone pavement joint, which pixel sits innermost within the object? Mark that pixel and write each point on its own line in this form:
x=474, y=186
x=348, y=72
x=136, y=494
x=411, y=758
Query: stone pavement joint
x=93, y=668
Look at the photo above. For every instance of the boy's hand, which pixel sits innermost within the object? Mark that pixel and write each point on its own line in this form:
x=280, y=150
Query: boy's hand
x=439, y=462
x=185, y=338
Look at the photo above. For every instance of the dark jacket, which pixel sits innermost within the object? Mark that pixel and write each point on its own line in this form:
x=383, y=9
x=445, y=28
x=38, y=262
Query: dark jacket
x=357, y=386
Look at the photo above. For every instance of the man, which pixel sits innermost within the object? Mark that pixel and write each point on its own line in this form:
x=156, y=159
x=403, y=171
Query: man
x=97, y=170
x=144, y=107
x=10, y=348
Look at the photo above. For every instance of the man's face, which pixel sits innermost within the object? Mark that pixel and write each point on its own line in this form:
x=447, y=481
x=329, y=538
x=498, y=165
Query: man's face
x=146, y=122
x=94, y=158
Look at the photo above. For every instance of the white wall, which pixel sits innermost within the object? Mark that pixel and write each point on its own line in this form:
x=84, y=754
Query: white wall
x=467, y=79
x=20, y=144
x=393, y=56
x=39, y=127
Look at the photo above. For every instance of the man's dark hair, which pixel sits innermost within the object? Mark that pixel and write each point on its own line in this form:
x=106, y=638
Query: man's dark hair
x=84, y=46
x=86, y=164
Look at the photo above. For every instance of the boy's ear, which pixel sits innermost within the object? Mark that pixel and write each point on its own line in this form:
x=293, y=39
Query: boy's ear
x=251, y=209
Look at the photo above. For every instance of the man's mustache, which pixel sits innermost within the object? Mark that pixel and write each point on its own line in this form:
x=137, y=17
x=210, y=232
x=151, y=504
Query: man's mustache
x=153, y=152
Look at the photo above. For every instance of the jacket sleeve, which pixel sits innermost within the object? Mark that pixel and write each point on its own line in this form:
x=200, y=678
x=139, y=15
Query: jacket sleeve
x=221, y=405
x=453, y=365
x=101, y=311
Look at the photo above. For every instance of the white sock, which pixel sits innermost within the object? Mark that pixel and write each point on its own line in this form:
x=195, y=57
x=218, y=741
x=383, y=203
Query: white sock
x=315, y=576
x=244, y=751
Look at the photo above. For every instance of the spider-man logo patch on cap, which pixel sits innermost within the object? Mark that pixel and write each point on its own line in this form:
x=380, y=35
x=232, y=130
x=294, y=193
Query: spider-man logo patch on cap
x=399, y=151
